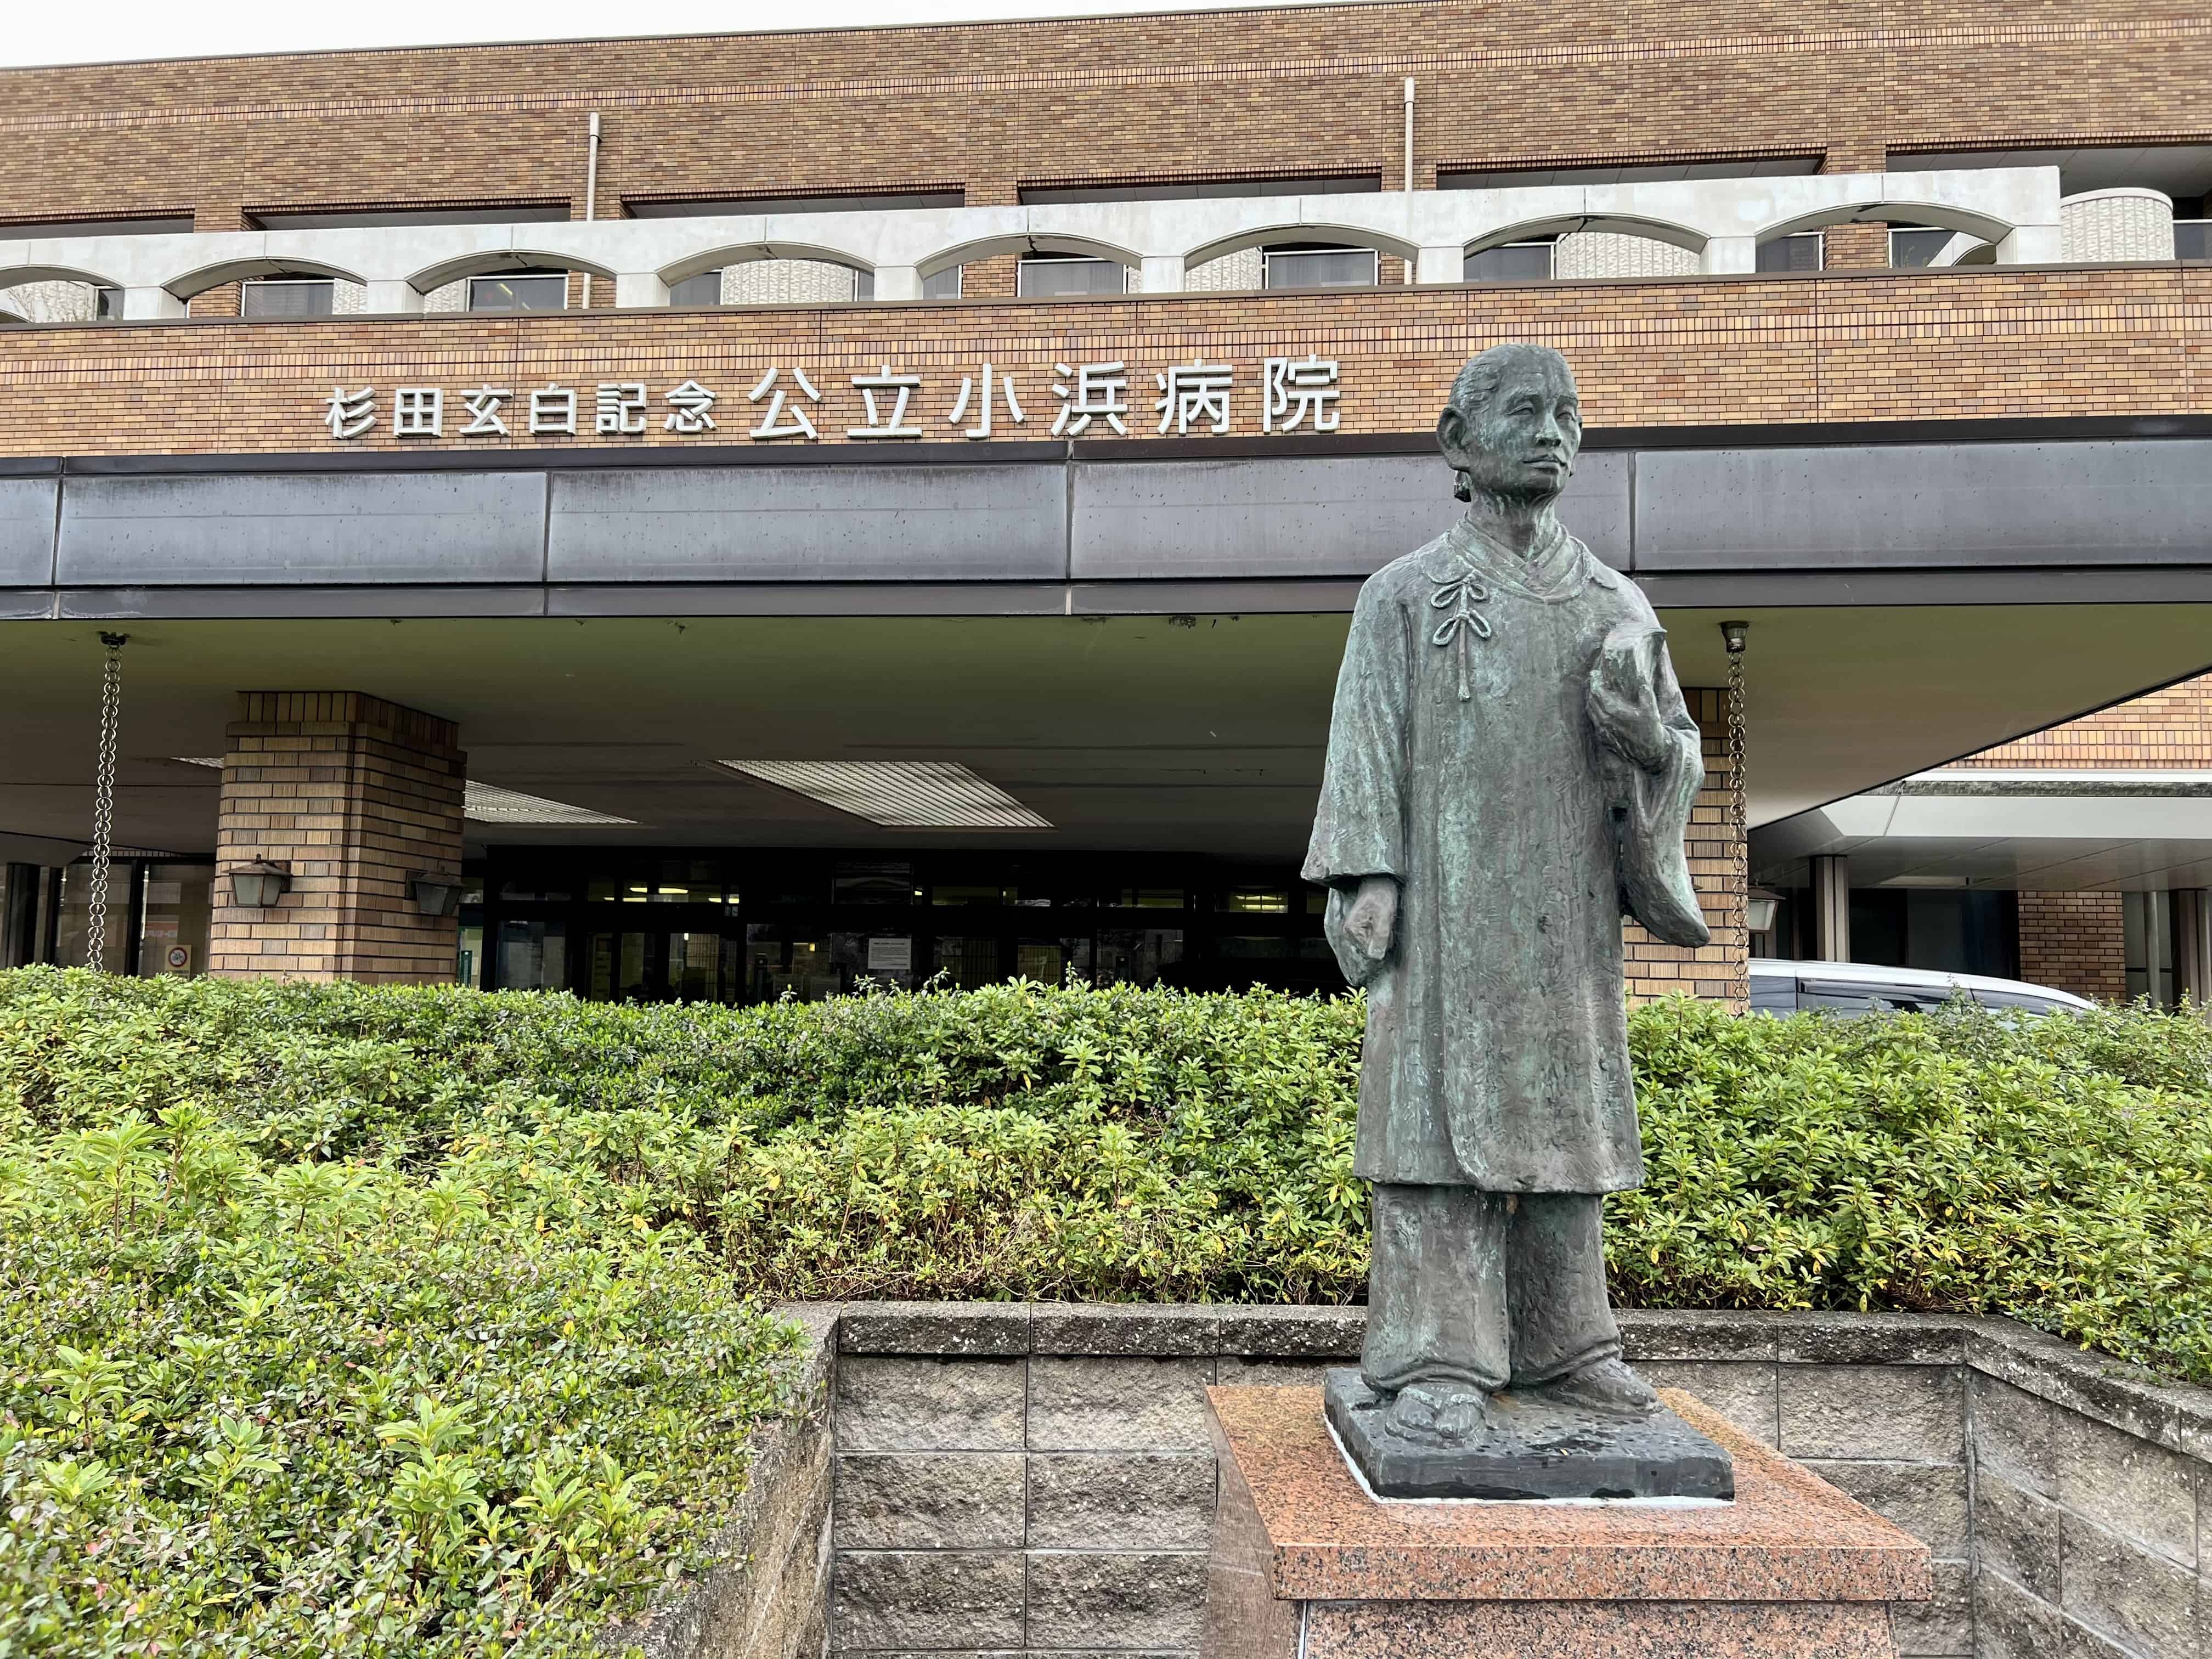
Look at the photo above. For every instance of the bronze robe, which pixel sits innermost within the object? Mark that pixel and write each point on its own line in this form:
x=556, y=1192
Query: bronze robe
x=1462, y=761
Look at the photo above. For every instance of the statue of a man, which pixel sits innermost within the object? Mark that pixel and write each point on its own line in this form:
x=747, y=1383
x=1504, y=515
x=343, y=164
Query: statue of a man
x=1510, y=771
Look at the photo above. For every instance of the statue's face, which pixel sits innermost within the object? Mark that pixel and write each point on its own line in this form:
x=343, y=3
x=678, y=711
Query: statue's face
x=1522, y=443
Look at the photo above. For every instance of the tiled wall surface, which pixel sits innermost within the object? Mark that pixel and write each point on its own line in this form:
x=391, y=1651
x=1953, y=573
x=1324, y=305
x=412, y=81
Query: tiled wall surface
x=991, y=108
x=1035, y=1478
x=357, y=796
x=2076, y=941
x=1869, y=346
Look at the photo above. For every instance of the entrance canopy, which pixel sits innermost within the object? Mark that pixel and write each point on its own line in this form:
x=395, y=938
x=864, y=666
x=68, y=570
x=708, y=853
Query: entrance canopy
x=1137, y=642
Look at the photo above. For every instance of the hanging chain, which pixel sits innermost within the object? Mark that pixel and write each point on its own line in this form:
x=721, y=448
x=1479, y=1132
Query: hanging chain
x=103, y=801
x=1739, y=815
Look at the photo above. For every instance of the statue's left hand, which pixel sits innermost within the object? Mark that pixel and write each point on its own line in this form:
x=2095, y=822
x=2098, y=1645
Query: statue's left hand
x=1625, y=714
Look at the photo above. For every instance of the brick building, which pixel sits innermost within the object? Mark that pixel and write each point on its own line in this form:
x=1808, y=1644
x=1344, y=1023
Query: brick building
x=739, y=514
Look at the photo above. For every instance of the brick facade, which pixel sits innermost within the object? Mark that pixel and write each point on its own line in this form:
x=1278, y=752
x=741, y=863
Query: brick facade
x=2167, y=730
x=2074, y=941
x=357, y=795
x=1861, y=346
x=1717, y=971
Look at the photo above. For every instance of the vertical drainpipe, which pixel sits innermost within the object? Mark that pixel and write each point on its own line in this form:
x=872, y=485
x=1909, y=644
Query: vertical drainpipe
x=591, y=192
x=1409, y=155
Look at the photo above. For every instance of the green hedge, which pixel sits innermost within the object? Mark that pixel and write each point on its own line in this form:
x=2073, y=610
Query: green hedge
x=335, y=1198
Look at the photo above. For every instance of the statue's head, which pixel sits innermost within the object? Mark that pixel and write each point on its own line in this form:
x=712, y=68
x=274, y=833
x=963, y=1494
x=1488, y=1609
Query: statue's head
x=1513, y=428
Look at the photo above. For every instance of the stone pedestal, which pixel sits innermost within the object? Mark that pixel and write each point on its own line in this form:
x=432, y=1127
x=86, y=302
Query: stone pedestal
x=1305, y=1565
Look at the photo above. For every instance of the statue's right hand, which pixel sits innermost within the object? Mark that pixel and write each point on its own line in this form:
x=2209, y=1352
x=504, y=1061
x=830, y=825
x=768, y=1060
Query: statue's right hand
x=1373, y=916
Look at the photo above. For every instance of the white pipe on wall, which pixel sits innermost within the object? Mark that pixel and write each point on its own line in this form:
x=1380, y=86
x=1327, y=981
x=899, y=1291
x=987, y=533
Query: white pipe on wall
x=591, y=192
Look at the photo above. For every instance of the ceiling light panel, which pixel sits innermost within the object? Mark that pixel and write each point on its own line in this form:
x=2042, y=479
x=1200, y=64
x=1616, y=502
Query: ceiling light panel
x=900, y=794
x=487, y=802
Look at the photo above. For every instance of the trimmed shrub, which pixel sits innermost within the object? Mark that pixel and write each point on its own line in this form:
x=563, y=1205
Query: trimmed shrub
x=1115, y=1144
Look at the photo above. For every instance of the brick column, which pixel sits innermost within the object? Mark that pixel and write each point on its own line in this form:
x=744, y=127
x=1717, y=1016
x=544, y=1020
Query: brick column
x=1718, y=971
x=2076, y=942
x=357, y=795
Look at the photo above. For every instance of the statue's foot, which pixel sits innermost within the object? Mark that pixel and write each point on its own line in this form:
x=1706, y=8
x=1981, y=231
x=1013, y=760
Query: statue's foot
x=1606, y=1386
x=1438, y=1415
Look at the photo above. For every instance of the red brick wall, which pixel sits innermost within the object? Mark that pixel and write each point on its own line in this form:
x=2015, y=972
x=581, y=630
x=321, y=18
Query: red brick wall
x=2074, y=941
x=2164, y=731
x=994, y=106
x=1718, y=970
x=357, y=795
x=1847, y=346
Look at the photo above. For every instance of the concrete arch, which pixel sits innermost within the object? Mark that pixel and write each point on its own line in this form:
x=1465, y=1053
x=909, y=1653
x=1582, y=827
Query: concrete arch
x=239, y=270
x=739, y=253
x=1936, y=215
x=10, y=276
x=1040, y=241
x=1275, y=236
x=1618, y=224
x=492, y=262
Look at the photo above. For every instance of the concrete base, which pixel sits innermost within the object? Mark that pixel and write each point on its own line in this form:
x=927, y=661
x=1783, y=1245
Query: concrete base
x=1535, y=1448
x=1306, y=1566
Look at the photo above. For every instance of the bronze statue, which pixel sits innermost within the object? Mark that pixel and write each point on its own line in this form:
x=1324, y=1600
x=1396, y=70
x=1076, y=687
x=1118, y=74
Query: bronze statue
x=1510, y=771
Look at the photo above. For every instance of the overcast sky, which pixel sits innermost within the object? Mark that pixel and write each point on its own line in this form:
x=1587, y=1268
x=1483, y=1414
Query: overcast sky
x=122, y=29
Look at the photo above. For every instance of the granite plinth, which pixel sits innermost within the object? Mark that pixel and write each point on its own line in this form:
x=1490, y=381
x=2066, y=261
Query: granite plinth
x=1533, y=1447
x=1305, y=1562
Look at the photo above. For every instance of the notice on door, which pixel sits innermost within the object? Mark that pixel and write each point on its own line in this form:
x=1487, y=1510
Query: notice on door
x=890, y=956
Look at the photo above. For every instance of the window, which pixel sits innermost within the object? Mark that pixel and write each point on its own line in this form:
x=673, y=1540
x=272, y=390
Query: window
x=519, y=290
x=943, y=285
x=1512, y=262
x=1658, y=173
x=704, y=289
x=1053, y=275
x=1319, y=267
x=728, y=206
x=509, y=213
x=288, y=297
x=107, y=304
x=1801, y=252
x=1319, y=184
x=1909, y=250
x=47, y=229
x=2193, y=239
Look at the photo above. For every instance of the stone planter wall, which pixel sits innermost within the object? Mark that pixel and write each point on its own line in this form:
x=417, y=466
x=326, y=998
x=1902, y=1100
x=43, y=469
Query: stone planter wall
x=1011, y=1478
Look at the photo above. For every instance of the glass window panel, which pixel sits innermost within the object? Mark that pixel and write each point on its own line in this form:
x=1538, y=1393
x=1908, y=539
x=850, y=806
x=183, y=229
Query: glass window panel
x=2193, y=239
x=972, y=893
x=1135, y=956
x=519, y=291
x=944, y=285
x=534, y=888
x=466, y=964
x=704, y=289
x=533, y=955
x=1514, y=262
x=289, y=297
x=864, y=285
x=1911, y=249
x=72, y=937
x=1151, y=898
x=967, y=961
x=618, y=964
x=1256, y=901
x=887, y=883
x=1253, y=947
x=107, y=304
x=1042, y=277
x=1049, y=961
x=1347, y=267
x=178, y=906
x=1801, y=252
x=698, y=965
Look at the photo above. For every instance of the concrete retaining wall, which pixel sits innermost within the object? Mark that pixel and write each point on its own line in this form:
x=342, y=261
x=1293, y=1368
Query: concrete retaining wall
x=1011, y=1479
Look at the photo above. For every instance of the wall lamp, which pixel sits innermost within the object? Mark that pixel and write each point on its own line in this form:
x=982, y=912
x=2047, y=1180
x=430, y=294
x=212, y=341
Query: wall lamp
x=259, y=886
x=1759, y=907
x=434, y=894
